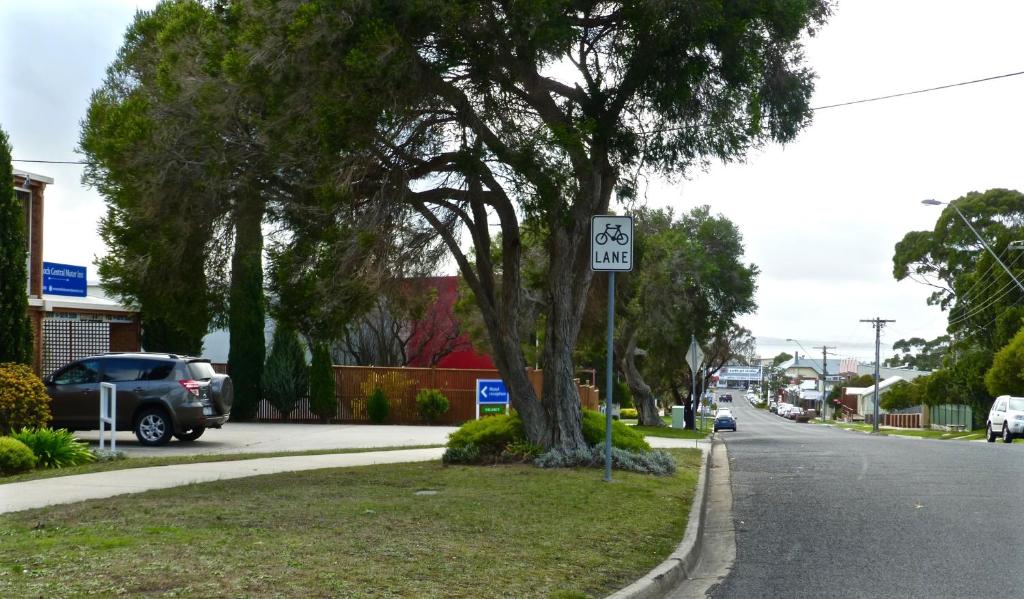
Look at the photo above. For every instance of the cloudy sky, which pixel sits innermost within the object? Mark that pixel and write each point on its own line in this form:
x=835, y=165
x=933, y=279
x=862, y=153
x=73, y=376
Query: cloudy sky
x=819, y=217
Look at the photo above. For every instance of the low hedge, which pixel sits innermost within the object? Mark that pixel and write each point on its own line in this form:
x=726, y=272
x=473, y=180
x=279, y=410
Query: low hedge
x=623, y=436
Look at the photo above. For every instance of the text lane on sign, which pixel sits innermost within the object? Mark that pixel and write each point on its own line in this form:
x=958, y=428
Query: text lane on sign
x=611, y=243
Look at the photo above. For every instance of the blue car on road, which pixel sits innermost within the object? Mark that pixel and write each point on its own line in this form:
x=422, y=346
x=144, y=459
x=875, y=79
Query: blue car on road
x=725, y=420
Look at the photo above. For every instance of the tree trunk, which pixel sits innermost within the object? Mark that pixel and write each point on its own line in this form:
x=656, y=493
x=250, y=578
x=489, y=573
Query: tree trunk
x=645, y=402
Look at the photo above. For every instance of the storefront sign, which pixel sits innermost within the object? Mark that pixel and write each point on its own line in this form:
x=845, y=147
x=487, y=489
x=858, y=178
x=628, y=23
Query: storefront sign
x=63, y=279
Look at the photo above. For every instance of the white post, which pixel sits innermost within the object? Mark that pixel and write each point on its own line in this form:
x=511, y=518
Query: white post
x=108, y=413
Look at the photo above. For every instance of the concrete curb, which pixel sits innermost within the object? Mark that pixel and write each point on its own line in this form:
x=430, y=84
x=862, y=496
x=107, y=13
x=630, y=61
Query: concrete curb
x=664, y=577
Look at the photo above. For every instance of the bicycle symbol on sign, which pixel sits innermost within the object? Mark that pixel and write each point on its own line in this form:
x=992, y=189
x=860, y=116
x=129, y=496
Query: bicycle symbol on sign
x=612, y=233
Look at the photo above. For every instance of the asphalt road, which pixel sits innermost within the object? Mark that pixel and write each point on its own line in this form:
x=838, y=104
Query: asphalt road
x=823, y=512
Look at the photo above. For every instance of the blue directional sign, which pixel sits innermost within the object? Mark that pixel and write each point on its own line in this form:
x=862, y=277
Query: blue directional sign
x=491, y=391
x=63, y=279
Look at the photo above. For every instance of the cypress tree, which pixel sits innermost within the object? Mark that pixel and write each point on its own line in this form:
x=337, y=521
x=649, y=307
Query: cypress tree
x=15, y=329
x=322, y=399
x=246, y=312
x=285, y=375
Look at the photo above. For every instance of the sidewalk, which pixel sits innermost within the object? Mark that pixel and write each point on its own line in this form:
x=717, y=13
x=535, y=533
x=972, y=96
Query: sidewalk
x=70, y=489
x=97, y=485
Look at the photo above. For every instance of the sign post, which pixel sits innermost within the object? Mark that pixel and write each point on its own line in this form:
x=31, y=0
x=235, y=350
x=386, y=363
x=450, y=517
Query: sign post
x=108, y=413
x=611, y=251
x=694, y=358
x=492, y=395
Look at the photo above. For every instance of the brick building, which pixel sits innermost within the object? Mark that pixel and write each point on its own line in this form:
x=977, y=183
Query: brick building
x=66, y=325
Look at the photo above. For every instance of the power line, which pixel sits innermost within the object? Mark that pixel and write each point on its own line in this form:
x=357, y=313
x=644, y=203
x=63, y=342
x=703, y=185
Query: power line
x=918, y=91
x=52, y=161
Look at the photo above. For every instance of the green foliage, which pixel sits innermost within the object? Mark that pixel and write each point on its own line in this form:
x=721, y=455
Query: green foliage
x=918, y=353
x=246, y=312
x=780, y=358
x=623, y=436
x=465, y=454
x=521, y=451
x=15, y=456
x=285, y=376
x=322, y=399
x=15, y=329
x=431, y=404
x=377, y=407
x=657, y=463
x=900, y=396
x=962, y=270
x=490, y=435
x=23, y=398
x=628, y=413
x=623, y=395
x=1006, y=376
x=55, y=448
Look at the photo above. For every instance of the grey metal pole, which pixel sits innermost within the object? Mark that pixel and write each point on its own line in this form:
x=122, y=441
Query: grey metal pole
x=878, y=341
x=693, y=388
x=878, y=324
x=608, y=380
x=983, y=243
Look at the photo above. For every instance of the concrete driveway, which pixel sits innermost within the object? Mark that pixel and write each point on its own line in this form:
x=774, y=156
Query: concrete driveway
x=253, y=437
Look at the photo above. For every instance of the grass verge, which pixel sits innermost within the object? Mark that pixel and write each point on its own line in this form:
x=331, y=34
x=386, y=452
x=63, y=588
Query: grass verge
x=404, y=530
x=672, y=433
x=922, y=433
x=147, y=462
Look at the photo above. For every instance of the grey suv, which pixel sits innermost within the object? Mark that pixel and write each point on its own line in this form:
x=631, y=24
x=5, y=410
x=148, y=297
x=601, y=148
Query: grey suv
x=158, y=395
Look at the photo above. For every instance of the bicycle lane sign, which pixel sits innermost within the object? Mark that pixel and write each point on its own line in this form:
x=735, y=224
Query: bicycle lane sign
x=611, y=243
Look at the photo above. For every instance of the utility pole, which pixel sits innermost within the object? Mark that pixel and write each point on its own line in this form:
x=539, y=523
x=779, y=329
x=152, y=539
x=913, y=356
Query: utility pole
x=878, y=323
x=824, y=379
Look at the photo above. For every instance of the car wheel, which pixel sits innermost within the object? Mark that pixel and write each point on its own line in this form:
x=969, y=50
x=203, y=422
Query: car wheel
x=989, y=434
x=191, y=434
x=153, y=427
x=1007, y=437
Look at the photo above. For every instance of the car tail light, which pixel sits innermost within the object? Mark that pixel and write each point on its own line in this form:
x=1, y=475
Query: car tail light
x=191, y=386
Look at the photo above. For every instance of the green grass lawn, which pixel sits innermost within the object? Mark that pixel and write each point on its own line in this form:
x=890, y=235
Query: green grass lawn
x=501, y=531
x=673, y=433
x=924, y=433
x=172, y=460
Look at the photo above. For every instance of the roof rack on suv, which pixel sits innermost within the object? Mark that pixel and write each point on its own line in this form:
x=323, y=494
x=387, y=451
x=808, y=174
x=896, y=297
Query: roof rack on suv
x=145, y=353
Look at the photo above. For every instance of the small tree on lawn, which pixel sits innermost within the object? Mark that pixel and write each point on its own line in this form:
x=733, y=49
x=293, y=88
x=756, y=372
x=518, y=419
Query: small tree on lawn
x=286, y=376
x=322, y=400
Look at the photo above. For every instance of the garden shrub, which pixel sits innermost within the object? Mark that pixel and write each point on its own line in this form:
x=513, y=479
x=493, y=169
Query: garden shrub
x=465, y=454
x=658, y=463
x=322, y=400
x=628, y=413
x=521, y=451
x=15, y=456
x=285, y=375
x=623, y=436
x=491, y=435
x=431, y=404
x=377, y=406
x=23, y=398
x=55, y=448
x=109, y=455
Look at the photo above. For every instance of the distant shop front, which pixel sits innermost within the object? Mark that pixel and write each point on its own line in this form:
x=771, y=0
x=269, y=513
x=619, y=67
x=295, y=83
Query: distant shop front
x=70, y=318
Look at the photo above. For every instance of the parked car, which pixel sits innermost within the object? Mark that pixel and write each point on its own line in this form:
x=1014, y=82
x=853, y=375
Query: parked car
x=1005, y=419
x=783, y=408
x=158, y=395
x=725, y=398
x=773, y=407
x=724, y=419
x=793, y=412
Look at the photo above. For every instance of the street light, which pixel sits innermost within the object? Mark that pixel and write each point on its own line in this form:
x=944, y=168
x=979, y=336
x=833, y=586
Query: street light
x=931, y=202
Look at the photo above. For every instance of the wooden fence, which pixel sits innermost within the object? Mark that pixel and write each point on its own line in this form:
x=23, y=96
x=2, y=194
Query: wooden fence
x=896, y=420
x=353, y=385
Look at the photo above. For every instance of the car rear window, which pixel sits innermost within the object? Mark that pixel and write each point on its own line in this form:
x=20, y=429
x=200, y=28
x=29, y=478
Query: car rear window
x=201, y=370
